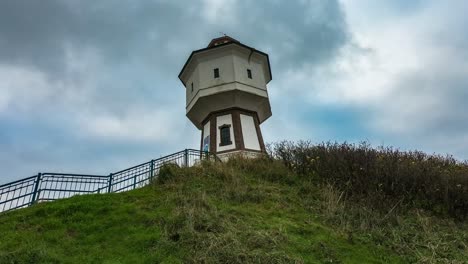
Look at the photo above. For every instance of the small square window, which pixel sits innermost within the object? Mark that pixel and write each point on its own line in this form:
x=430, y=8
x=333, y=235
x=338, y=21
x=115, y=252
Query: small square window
x=192, y=87
x=249, y=73
x=216, y=73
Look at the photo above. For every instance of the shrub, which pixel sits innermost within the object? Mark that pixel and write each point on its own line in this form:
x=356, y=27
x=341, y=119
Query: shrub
x=383, y=177
x=167, y=172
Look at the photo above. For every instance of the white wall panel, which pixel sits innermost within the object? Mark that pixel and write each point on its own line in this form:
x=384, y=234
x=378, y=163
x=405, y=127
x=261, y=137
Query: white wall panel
x=249, y=132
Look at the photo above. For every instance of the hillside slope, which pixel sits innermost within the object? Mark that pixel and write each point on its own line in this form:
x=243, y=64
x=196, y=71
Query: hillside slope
x=245, y=211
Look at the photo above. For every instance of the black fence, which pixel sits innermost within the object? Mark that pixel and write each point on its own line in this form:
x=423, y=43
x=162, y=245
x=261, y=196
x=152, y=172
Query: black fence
x=52, y=186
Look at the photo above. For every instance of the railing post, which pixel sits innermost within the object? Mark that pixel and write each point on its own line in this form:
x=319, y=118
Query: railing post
x=151, y=169
x=186, y=157
x=36, y=188
x=134, y=181
x=109, y=188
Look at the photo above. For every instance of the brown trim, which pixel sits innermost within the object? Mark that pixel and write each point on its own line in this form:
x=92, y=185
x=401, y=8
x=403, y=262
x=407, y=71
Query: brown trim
x=224, y=125
x=238, y=137
x=213, y=135
x=229, y=111
x=201, y=141
x=259, y=134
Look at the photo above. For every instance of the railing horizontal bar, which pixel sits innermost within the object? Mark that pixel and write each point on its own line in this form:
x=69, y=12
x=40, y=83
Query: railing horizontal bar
x=18, y=181
x=170, y=155
x=128, y=186
x=131, y=168
x=131, y=175
x=16, y=189
x=196, y=151
x=101, y=188
x=146, y=179
x=74, y=178
x=16, y=198
x=72, y=174
x=127, y=179
x=71, y=180
x=131, y=186
x=65, y=190
x=119, y=182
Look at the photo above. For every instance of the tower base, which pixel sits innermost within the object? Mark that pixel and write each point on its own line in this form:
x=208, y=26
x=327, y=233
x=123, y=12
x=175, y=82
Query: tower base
x=242, y=153
x=231, y=132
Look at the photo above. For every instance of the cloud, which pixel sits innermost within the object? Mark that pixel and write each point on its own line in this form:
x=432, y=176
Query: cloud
x=92, y=87
x=138, y=125
x=16, y=84
x=102, y=50
x=38, y=33
x=294, y=33
x=407, y=78
x=98, y=81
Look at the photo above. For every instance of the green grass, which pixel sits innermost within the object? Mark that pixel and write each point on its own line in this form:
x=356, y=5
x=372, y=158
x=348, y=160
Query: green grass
x=245, y=211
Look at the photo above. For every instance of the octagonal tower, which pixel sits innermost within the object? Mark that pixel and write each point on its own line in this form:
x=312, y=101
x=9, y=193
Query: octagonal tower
x=227, y=96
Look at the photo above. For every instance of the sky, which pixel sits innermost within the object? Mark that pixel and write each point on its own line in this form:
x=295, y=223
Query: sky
x=92, y=87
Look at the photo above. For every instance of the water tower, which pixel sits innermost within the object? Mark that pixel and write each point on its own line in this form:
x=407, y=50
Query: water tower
x=227, y=96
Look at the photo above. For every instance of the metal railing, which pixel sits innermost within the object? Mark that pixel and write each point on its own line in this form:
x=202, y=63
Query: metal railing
x=52, y=186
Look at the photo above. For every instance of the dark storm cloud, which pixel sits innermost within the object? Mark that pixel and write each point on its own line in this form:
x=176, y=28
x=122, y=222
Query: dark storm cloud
x=36, y=33
x=298, y=33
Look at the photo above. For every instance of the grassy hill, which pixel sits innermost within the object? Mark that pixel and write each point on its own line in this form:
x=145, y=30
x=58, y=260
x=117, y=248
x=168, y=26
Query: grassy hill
x=243, y=211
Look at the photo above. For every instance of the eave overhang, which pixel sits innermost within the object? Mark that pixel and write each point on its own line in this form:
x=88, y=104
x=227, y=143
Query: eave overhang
x=220, y=46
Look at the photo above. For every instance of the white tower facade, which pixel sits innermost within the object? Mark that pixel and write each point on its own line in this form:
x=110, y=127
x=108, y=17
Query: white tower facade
x=227, y=98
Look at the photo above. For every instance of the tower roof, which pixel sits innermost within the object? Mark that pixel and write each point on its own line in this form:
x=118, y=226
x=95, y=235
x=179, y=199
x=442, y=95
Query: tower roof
x=221, y=40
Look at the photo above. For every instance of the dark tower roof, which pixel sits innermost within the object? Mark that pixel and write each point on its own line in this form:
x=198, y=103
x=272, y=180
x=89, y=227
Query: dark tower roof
x=221, y=40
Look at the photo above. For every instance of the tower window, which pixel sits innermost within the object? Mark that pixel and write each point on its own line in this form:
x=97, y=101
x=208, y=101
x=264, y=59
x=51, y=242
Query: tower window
x=249, y=73
x=225, y=132
x=216, y=73
x=192, y=87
